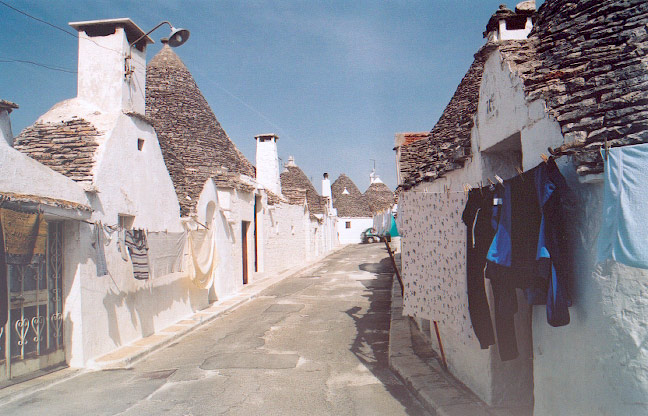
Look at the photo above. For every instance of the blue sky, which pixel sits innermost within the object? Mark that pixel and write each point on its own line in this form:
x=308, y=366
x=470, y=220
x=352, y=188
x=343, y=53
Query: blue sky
x=334, y=79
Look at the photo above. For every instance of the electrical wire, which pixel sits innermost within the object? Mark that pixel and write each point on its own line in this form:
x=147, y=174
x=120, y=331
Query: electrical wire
x=75, y=35
x=38, y=20
x=24, y=61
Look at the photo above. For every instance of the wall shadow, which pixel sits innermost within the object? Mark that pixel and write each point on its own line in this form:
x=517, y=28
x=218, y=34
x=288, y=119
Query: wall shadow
x=371, y=344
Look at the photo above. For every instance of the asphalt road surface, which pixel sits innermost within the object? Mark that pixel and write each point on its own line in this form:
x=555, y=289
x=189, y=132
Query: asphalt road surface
x=314, y=344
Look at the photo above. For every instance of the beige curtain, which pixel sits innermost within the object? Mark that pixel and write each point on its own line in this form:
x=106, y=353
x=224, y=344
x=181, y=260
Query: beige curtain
x=204, y=257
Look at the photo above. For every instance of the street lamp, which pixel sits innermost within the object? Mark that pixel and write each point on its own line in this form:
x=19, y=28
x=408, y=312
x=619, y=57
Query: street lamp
x=176, y=38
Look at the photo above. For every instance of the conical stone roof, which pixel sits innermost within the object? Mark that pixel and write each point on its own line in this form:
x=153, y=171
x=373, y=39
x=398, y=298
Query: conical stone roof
x=350, y=203
x=194, y=145
x=294, y=183
x=379, y=196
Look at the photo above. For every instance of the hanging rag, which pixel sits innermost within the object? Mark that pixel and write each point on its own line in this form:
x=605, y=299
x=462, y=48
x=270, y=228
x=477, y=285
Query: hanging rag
x=99, y=242
x=624, y=235
x=4, y=285
x=166, y=252
x=121, y=245
x=136, y=243
x=479, y=235
x=204, y=257
x=25, y=236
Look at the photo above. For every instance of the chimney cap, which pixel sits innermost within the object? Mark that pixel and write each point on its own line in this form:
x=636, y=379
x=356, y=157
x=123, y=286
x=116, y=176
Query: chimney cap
x=325, y=175
x=266, y=135
x=133, y=31
x=7, y=106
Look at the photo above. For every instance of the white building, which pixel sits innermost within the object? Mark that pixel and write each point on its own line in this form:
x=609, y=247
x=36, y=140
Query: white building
x=354, y=214
x=33, y=308
x=570, y=92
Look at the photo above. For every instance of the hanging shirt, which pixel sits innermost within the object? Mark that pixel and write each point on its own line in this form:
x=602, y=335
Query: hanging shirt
x=99, y=243
x=530, y=238
x=624, y=236
x=138, y=250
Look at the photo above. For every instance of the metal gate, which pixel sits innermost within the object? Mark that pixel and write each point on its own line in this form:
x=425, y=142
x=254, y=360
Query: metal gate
x=32, y=339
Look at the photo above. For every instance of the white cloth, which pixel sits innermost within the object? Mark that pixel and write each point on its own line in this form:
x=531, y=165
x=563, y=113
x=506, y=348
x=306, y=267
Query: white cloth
x=204, y=257
x=166, y=251
x=624, y=235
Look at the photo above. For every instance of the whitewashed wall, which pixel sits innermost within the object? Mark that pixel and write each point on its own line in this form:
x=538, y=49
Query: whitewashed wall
x=597, y=363
x=118, y=309
x=352, y=235
x=285, y=236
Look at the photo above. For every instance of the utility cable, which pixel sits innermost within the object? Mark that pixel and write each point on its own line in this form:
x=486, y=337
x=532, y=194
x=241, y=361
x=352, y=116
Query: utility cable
x=24, y=61
x=75, y=35
x=37, y=19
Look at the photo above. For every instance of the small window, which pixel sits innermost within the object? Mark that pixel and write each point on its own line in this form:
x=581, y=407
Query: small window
x=140, y=144
x=348, y=224
x=125, y=221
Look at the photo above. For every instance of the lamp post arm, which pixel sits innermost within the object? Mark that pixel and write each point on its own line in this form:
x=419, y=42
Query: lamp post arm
x=149, y=32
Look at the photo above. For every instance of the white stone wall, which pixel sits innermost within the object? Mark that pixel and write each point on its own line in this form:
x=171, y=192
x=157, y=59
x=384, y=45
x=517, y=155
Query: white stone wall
x=118, y=309
x=352, y=235
x=285, y=236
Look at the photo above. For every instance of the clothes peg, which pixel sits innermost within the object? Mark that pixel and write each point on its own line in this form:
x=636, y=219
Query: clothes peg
x=519, y=170
x=607, y=149
x=544, y=157
x=500, y=180
x=491, y=182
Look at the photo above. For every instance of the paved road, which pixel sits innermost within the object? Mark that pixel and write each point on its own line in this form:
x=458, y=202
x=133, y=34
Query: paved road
x=314, y=344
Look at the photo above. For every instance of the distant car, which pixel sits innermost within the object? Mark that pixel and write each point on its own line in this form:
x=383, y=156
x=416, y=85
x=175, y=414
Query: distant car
x=369, y=236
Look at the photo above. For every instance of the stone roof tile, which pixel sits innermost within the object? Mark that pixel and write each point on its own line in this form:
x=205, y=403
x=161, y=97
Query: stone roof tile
x=353, y=204
x=194, y=145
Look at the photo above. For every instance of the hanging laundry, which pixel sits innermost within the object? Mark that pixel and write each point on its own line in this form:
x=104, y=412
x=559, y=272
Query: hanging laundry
x=137, y=245
x=99, y=243
x=479, y=235
x=624, y=235
x=25, y=236
x=204, y=257
x=166, y=252
x=121, y=245
x=530, y=240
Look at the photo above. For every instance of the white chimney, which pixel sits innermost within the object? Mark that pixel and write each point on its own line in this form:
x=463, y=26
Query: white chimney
x=267, y=162
x=6, y=135
x=111, y=73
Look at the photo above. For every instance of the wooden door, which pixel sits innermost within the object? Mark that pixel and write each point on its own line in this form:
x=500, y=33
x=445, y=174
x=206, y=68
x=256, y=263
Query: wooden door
x=244, y=249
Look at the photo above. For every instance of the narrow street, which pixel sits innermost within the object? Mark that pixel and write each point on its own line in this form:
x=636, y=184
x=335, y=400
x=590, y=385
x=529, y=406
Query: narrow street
x=314, y=344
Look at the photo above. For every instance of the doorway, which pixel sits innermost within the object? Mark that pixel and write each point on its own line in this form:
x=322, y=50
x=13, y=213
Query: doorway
x=32, y=338
x=245, y=225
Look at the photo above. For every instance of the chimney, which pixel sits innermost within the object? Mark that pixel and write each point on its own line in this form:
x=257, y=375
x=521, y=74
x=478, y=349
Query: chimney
x=267, y=162
x=6, y=135
x=506, y=24
x=111, y=73
x=326, y=188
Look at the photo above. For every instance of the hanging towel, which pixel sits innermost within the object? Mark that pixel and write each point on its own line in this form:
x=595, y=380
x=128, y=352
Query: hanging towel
x=624, y=235
x=166, y=252
x=204, y=257
x=25, y=236
x=138, y=250
x=99, y=242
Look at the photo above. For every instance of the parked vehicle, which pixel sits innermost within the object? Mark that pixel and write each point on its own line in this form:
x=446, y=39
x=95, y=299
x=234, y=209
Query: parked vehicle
x=369, y=236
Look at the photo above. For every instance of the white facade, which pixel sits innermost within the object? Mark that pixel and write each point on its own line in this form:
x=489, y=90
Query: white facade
x=594, y=365
x=129, y=179
x=350, y=228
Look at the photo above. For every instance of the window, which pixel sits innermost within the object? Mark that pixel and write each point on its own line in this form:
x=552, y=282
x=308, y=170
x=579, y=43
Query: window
x=140, y=144
x=125, y=222
x=348, y=224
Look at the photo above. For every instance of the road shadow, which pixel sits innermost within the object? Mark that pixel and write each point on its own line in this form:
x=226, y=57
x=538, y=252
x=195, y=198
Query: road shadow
x=371, y=344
